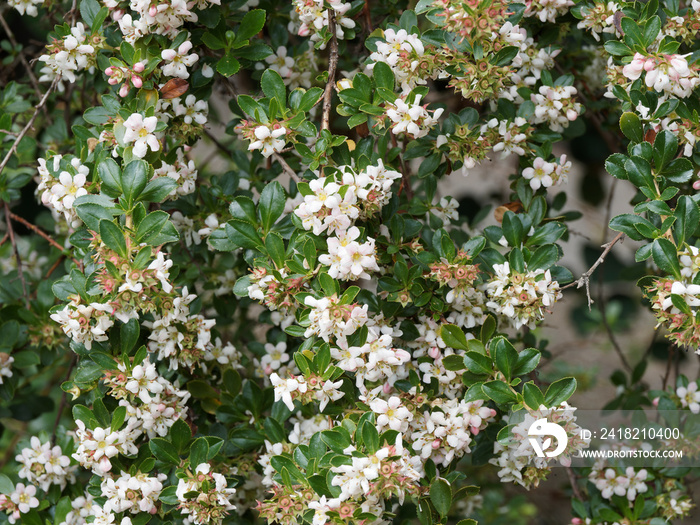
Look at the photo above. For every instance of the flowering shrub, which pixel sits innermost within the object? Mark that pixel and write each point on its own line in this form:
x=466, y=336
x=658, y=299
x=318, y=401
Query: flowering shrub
x=244, y=298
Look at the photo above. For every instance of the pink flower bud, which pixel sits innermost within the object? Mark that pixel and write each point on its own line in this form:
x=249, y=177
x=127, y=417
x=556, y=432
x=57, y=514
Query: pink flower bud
x=436, y=444
x=696, y=185
x=136, y=81
x=649, y=64
x=655, y=402
x=109, y=71
x=113, y=81
x=139, y=66
x=434, y=352
x=387, y=388
x=152, y=11
x=117, y=14
x=124, y=90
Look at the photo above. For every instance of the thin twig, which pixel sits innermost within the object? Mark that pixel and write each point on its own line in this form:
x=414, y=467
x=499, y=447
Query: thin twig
x=13, y=241
x=41, y=233
x=574, y=485
x=63, y=402
x=22, y=58
x=4, y=239
x=332, y=65
x=217, y=143
x=287, y=168
x=584, y=280
x=26, y=128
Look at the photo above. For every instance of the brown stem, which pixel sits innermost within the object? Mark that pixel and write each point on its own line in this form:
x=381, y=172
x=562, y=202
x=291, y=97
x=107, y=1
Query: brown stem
x=13, y=241
x=62, y=403
x=332, y=65
x=574, y=485
x=287, y=168
x=41, y=233
x=584, y=280
x=26, y=128
x=22, y=58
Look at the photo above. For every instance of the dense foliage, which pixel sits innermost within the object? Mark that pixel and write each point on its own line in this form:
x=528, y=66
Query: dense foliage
x=244, y=300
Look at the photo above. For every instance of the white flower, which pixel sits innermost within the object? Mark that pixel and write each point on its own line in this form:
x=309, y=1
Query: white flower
x=140, y=131
x=24, y=497
x=268, y=140
x=540, y=174
x=690, y=397
x=26, y=6
x=192, y=110
x=178, y=61
x=391, y=413
x=414, y=120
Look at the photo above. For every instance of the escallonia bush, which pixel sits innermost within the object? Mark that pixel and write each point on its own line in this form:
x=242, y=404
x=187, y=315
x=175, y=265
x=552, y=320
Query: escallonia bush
x=244, y=300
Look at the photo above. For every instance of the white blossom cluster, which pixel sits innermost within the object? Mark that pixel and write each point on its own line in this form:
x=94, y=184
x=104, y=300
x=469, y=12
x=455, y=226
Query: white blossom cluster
x=58, y=193
x=402, y=52
x=137, y=493
x=517, y=460
x=332, y=206
x=296, y=70
x=268, y=139
x=610, y=483
x=412, y=119
x=529, y=62
x=152, y=403
x=365, y=479
x=22, y=500
x=44, y=465
x=68, y=56
x=85, y=323
x=28, y=7
x=179, y=336
x=213, y=499
x=510, y=137
x=668, y=74
x=445, y=432
x=190, y=110
x=81, y=508
x=98, y=445
x=521, y=298
x=276, y=359
x=543, y=174
x=554, y=105
x=182, y=171
x=6, y=361
x=305, y=391
x=547, y=10
x=311, y=16
x=599, y=18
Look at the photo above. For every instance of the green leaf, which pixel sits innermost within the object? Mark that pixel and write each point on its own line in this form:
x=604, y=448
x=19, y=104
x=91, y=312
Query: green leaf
x=158, y=189
x=626, y=223
x=528, y=360
x=615, y=166
x=441, y=496
x=666, y=257
x=89, y=10
x=164, y=451
x=678, y=170
x=665, y=147
x=134, y=180
x=478, y=363
x=499, y=392
x=113, y=237
x=559, y=391
x=505, y=356
x=453, y=336
x=198, y=452
x=544, y=257
x=616, y=48
x=513, y=229
x=275, y=248
x=532, y=395
x=156, y=229
x=129, y=335
x=272, y=201
x=180, y=435
x=228, y=65
x=273, y=86
x=111, y=177
x=91, y=214
x=243, y=234
x=687, y=218
x=631, y=126
x=639, y=172
x=251, y=25
x=118, y=417
x=383, y=76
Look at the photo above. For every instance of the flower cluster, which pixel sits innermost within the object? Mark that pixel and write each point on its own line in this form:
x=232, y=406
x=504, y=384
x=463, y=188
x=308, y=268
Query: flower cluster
x=305, y=390
x=98, y=445
x=521, y=297
x=44, y=465
x=311, y=17
x=267, y=139
x=60, y=184
x=129, y=77
x=611, y=483
x=555, y=106
x=668, y=74
x=543, y=174
x=21, y=501
x=517, y=459
x=85, y=323
x=547, y=10
x=28, y=7
x=133, y=493
x=402, y=52
x=414, y=120
x=75, y=52
x=204, y=496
